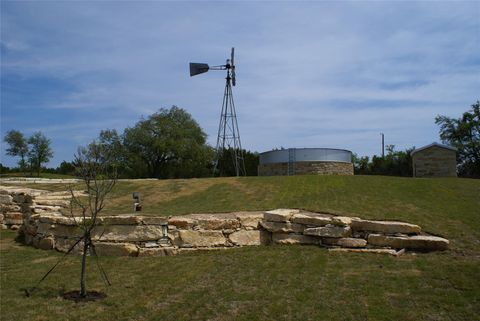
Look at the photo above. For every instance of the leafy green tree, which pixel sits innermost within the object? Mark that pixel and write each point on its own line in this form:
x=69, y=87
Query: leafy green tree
x=39, y=151
x=227, y=167
x=395, y=163
x=168, y=139
x=464, y=134
x=360, y=164
x=17, y=146
x=4, y=169
x=66, y=168
x=114, y=149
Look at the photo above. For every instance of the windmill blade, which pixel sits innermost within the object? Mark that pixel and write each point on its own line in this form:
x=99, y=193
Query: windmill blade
x=234, y=81
x=196, y=68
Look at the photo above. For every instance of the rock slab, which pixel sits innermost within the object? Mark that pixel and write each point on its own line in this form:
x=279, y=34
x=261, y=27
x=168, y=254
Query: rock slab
x=417, y=242
x=388, y=227
x=280, y=215
x=329, y=231
x=189, y=238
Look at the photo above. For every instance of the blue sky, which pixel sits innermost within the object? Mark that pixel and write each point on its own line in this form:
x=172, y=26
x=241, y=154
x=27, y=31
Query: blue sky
x=309, y=74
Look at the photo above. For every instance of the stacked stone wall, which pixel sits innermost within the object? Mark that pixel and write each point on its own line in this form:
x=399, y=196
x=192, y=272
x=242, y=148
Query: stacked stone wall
x=45, y=225
x=17, y=205
x=434, y=162
x=306, y=168
x=131, y=235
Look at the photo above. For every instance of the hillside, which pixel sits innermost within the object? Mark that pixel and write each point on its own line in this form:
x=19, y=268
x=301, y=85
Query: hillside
x=447, y=207
x=271, y=282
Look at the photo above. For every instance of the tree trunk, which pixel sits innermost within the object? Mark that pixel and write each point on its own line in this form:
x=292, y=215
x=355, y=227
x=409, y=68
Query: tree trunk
x=39, y=164
x=86, y=244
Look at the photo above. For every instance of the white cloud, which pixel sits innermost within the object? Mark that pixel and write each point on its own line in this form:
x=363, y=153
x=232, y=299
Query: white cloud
x=309, y=74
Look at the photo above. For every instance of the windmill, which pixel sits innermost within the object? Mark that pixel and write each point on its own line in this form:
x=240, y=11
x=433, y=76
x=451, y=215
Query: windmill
x=228, y=138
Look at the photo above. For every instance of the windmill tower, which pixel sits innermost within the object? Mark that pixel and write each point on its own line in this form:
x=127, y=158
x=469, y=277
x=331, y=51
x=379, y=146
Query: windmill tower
x=228, y=138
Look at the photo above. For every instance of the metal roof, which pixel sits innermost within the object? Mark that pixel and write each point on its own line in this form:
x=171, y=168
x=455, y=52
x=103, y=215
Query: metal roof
x=434, y=144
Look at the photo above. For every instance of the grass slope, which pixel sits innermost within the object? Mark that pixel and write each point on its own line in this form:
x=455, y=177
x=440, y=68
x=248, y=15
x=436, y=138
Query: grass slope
x=276, y=282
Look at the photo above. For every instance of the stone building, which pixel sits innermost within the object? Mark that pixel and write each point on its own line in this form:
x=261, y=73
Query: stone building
x=434, y=160
x=306, y=161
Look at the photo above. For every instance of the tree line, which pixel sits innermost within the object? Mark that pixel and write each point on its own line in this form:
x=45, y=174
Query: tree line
x=166, y=144
x=32, y=151
x=462, y=133
x=171, y=144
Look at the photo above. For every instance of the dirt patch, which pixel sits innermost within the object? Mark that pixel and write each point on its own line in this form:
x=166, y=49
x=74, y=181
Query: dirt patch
x=91, y=296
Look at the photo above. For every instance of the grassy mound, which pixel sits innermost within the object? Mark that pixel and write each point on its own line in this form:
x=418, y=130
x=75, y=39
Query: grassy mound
x=276, y=282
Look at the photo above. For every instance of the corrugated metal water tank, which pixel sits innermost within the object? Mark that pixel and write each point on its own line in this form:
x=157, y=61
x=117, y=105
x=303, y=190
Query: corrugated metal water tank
x=306, y=154
x=304, y=161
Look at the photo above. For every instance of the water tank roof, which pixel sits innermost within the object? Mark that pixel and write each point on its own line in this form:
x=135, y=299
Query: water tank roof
x=306, y=155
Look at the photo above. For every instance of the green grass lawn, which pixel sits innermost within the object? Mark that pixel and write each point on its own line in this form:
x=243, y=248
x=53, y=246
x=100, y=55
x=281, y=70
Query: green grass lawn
x=275, y=282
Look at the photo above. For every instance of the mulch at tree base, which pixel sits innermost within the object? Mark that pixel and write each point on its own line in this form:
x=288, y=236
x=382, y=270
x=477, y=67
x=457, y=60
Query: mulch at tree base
x=91, y=296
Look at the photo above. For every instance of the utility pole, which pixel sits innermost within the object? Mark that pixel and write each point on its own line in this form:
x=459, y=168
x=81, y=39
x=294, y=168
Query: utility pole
x=383, y=145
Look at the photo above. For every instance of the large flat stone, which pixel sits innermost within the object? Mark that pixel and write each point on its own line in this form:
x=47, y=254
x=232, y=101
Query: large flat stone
x=286, y=238
x=279, y=215
x=10, y=221
x=46, y=243
x=217, y=223
x=279, y=227
x=64, y=244
x=13, y=216
x=343, y=220
x=388, y=227
x=154, y=220
x=159, y=251
x=189, y=238
x=57, y=219
x=311, y=219
x=253, y=237
x=329, y=231
x=6, y=199
x=59, y=230
x=249, y=219
x=351, y=242
x=182, y=222
x=52, y=202
x=417, y=242
x=128, y=233
x=45, y=208
x=116, y=249
x=5, y=208
x=120, y=220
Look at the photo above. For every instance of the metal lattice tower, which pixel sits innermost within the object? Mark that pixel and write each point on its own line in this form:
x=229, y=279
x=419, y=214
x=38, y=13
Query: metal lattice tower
x=228, y=138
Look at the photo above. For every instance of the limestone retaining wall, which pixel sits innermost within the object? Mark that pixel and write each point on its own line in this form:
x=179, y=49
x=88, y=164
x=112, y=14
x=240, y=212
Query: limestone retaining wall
x=133, y=235
x=45, y=226
x=18, y=204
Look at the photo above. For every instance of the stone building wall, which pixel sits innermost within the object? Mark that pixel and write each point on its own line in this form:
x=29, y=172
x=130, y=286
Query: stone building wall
x=434, y=162
x=306, y=168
